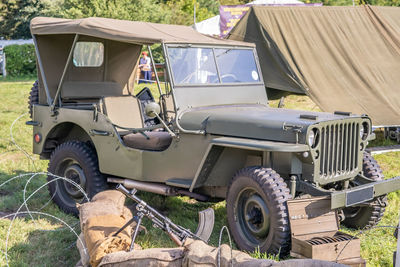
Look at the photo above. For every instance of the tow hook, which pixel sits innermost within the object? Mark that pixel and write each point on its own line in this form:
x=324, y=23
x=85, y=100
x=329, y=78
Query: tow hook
x=383, y=204
x=341, y=216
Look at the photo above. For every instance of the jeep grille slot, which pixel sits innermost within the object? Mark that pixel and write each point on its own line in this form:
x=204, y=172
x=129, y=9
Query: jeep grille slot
x=339, y=149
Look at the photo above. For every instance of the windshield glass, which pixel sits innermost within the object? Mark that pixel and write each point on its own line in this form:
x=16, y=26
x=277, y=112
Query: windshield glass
x=195, y=65
x=236, y=65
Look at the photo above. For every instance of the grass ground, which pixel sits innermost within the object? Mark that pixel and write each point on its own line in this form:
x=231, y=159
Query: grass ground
x=48, y=242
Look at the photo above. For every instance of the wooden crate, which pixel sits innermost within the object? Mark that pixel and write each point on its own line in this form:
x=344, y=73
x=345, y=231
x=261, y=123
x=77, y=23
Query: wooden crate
x=315, y=234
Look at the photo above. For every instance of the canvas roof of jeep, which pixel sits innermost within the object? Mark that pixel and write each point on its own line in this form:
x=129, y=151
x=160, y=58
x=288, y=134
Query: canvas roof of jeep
x=136, y=32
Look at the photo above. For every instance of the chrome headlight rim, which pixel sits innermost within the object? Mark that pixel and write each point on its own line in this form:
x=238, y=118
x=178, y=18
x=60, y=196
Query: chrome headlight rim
x=313, y=137
x=364, y=130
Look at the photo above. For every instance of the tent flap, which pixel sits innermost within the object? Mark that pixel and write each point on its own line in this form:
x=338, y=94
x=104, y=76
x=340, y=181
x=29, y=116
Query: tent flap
x=344, y=58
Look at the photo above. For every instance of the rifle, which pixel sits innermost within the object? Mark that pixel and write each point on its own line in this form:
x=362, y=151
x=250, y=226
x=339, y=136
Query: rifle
x=177, y=233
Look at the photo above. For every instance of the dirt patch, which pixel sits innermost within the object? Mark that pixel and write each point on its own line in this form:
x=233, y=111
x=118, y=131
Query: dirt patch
x=12, y=157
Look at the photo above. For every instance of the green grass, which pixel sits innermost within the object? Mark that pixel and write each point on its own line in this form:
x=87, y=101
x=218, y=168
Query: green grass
x=9, y=78
x=32, y=244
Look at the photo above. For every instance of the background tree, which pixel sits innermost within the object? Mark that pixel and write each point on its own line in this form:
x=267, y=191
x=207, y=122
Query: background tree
x=183, y=10
x=16, y=15
x=138, y=10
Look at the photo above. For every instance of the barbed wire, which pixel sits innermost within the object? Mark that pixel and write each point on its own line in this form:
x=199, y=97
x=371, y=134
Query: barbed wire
x=219, y=245
x=29, y=212
x=15, y=143
x=55, y=178
x=361, y=232
x=32, y=175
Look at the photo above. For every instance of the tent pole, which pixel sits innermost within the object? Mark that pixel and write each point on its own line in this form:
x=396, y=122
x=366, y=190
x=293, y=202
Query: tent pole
x=63, y=74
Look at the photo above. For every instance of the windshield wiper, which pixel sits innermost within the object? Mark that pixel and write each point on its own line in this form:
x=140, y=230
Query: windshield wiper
x=225, y=52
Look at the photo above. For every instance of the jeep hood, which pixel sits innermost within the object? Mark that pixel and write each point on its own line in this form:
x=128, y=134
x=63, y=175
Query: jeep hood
x=254, y=121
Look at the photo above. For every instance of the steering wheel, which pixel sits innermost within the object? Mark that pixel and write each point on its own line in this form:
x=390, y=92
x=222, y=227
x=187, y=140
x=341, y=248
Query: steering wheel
x=229, y=75
x=188, y=77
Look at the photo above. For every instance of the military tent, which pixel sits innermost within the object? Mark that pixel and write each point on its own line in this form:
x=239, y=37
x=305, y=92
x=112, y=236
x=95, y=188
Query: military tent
x=344, y=58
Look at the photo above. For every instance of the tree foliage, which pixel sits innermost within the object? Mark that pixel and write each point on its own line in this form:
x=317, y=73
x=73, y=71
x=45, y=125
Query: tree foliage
x=183, y=10
x=166, y=11
x=20, y=60
x=15, y=16
x=138, y=10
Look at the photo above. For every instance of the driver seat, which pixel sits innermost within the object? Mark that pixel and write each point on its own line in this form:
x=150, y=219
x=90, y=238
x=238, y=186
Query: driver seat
x=154, y=141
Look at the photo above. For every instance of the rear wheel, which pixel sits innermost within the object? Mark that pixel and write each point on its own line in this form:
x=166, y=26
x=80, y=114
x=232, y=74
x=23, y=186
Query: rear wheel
x=257, y=210
x=77, y=162
x=366, y=216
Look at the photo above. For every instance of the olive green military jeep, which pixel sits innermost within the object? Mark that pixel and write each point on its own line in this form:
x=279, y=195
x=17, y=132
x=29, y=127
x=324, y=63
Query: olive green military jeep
x=210, y=133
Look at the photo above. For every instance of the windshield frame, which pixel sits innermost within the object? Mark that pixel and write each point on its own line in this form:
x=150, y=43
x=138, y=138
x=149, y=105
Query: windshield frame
x=212, y=47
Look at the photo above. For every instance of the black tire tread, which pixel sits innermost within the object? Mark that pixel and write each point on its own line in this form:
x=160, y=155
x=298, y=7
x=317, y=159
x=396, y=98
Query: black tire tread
x=33, y=97
x=277, y=192
x=372, y=170
x=374, y=213
x=95, y=181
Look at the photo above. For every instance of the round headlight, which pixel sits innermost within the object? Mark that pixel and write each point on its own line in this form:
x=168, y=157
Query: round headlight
x=313, y=137
x=364, y=129
x=362, y=132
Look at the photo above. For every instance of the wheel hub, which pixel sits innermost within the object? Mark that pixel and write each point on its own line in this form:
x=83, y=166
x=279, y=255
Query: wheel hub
x=256, y=216
x=74, y=173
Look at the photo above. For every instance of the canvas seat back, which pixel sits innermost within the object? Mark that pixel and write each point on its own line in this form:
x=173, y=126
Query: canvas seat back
x=90, y=90
x=123, y=111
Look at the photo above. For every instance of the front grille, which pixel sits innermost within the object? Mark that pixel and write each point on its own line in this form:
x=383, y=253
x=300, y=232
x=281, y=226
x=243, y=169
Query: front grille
x=339, y=149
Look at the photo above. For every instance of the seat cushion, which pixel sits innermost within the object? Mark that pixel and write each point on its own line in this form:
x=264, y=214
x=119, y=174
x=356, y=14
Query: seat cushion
x=157, y=141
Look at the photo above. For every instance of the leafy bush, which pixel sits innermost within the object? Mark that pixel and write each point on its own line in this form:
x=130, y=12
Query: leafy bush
x=20, y=60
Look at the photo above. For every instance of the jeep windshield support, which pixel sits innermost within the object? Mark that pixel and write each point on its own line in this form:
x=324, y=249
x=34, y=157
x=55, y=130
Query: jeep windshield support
x=193, y=69
x=210, y=135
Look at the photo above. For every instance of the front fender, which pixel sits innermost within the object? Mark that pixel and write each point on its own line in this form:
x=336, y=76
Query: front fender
x=218, y=144
x=259, y=145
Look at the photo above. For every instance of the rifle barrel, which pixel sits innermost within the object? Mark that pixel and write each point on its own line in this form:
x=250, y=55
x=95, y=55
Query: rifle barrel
x=156, y=217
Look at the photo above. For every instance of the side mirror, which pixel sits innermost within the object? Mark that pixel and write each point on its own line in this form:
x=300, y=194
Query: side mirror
x=152, y=109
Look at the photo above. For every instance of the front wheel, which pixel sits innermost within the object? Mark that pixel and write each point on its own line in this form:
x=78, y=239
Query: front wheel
x=257, y=211
x=367, y=216
x=76, y=161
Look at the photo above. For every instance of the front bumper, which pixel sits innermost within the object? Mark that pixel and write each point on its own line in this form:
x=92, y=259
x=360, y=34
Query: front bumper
x=364, y=193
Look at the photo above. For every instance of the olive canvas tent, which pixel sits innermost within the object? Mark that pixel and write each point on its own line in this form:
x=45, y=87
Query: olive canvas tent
x=344, y=58
x=121, y=42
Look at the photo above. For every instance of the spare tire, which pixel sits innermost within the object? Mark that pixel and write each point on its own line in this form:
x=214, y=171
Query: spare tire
x=33, y=97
